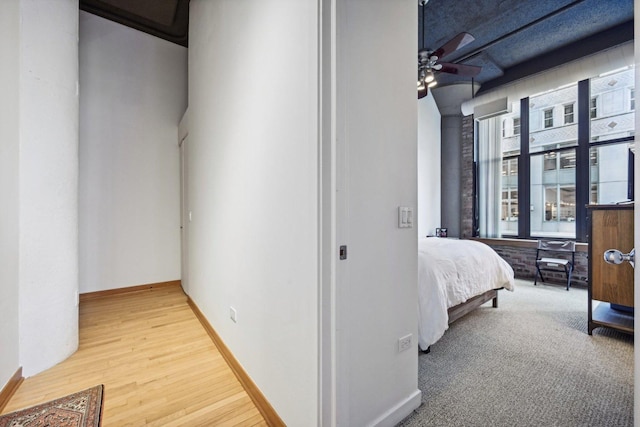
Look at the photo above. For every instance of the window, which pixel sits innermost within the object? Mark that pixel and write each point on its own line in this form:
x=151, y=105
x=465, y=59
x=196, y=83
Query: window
x=509, y=205
x=513, y=167
x=568, y=159
x=551, y=204
x=608, y=172
x=498, y=194
x=543, y=136
x=611, y=109
x=550, y=160
x=568, y=114
x=593, y=108
x=593, y=194
x=567, y=202
x=553, y=194
x=504, y=128
x=565, y=198
x=548, y=118
x=547, y=170
x=509, y=201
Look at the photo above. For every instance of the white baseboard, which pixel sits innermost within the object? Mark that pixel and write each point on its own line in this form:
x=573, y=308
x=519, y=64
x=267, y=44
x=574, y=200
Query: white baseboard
x=400, y=411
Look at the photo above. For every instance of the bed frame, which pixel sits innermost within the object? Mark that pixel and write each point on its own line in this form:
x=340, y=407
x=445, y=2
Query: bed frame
x=468, y=306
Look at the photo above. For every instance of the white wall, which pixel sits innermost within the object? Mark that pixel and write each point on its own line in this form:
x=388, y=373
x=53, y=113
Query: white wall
x=253, y=190
x=133, y=91
x=429, y=189
x=376, y=287
x=48, y=182
x=9, y=237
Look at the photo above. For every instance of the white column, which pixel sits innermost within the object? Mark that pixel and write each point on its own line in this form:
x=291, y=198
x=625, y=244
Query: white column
x=48, y=182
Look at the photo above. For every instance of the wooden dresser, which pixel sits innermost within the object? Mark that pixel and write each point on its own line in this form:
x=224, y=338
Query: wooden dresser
x=610, y=227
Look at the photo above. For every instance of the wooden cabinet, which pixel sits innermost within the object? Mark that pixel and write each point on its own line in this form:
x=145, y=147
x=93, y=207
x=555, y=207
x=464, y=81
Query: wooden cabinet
x=610, y=227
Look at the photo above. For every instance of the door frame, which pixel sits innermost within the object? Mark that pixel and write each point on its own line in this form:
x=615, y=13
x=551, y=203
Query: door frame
x=183, y=135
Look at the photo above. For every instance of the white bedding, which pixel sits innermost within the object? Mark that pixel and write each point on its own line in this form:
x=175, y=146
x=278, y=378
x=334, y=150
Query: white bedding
x=451, y=271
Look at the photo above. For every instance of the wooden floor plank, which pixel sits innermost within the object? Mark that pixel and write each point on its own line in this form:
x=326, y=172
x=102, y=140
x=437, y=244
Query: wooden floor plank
x=157, y=363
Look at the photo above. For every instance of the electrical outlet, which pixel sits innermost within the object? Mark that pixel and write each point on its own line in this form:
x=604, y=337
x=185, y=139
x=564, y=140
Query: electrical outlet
x=404, y=343
x=233, y=314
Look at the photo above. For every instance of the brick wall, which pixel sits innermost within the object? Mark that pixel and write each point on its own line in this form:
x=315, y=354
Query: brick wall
x=522, y=260
x=466, y=180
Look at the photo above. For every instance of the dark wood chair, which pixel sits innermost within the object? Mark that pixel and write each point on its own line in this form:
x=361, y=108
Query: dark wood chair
x=555, y=255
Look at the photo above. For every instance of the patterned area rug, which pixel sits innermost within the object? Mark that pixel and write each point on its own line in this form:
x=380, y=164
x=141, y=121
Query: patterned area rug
x=81, y=409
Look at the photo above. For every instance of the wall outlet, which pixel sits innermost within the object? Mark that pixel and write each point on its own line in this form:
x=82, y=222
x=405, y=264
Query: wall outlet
x=404, y=343
x=233, y=314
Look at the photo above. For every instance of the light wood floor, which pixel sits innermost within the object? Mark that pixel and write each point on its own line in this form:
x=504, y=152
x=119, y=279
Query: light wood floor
x=157, y=363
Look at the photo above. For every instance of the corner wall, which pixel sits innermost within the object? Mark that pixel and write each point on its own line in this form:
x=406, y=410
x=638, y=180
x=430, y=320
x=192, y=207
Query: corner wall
x=133, y=92
x=451, y=177
x=253, y=190
x=9, y=179
x=376, y=172
x=429, y=167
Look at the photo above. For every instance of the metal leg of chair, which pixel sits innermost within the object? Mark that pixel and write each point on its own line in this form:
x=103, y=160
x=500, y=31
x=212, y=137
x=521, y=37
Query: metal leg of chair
x=538, y=273
x=569, y=277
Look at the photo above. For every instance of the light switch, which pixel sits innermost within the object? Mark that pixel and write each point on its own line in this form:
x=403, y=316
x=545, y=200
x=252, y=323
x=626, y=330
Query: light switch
x=405, y=217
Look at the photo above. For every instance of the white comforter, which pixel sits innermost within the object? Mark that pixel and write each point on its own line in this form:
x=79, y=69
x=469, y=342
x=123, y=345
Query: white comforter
x=451, y=271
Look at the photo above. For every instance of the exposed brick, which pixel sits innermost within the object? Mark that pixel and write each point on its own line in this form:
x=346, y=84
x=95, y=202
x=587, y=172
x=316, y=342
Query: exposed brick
x=523, y=262
x=466, y=178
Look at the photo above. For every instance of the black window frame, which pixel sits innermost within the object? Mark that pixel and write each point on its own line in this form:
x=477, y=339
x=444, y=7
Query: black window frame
x=583, y=163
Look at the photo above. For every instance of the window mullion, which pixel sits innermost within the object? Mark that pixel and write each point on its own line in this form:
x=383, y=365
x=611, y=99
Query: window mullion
x=524, y=173
x=583, y=186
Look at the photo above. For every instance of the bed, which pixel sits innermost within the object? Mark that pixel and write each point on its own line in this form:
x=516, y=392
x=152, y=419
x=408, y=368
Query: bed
x=455, y=277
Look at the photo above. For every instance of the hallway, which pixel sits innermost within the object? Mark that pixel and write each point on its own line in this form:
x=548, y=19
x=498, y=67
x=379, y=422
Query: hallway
x=157, y=363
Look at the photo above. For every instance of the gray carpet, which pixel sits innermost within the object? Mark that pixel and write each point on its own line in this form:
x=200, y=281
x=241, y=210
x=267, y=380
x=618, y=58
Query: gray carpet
x=529, y=362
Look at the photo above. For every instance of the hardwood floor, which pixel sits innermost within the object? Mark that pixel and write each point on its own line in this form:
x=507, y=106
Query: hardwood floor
x=158, y=365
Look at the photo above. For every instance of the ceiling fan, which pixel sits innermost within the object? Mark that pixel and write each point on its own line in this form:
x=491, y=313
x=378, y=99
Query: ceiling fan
x=429, y=61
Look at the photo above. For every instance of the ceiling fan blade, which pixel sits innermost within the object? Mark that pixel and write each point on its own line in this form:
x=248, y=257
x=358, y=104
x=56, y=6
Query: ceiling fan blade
x=460, y=69
x=454, y=44
x=423, y=92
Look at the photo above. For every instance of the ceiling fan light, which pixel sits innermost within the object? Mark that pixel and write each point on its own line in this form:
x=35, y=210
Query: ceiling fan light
x=433, y=83
x=429, y=77
x=421, y=85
